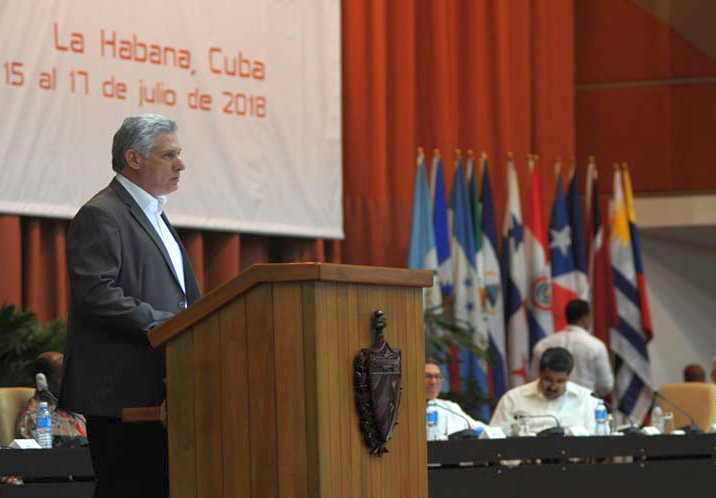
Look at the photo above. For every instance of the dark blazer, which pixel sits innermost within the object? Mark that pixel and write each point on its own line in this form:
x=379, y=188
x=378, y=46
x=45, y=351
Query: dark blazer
x=122, y=285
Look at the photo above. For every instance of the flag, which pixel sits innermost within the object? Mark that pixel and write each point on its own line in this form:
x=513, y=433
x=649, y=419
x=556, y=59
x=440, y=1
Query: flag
x=423, y=254
x=465, y=305
x=451, y=374
x=491, y=297
x=539, y=279
x=632, y=331
x=476, y=211
x=476, y=215
x=591, y=184
x=515, y=282
x=600, y=277
x=565, y=279
x=579, y=243
x=440, y=225
x=636, y=248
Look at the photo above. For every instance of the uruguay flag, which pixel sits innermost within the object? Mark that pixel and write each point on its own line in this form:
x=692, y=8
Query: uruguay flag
x=632, y=332
x=423, y=255
x=539, y=302
x=514, y=270
x=565, y=277
x=491, y=297
x=465, y=304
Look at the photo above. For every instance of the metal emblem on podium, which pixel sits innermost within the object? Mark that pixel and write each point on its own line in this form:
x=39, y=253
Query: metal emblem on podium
x=376, y=382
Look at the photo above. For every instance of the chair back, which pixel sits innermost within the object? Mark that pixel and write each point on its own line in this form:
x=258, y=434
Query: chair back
x=12, y=402
x=698, y=399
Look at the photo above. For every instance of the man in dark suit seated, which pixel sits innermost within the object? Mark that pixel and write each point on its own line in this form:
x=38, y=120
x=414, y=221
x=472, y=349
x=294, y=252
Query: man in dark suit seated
x=128, y=273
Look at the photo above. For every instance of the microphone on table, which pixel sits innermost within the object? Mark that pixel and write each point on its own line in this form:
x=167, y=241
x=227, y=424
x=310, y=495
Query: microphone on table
x=467, y=432
x=692, y=427
x=556, y=430
x=43, y=390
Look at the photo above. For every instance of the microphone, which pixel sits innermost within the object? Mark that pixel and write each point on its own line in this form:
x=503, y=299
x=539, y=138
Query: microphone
x=467, y=432
x=693, y=426
x=43, y=390
x=556, y=430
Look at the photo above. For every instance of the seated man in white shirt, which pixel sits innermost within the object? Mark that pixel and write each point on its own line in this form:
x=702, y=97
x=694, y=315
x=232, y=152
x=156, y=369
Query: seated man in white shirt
x=591, y=359
x=451, y=418
x=552, y=396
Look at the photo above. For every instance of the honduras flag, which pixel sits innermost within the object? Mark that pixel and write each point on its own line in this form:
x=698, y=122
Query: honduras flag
x=465, y=303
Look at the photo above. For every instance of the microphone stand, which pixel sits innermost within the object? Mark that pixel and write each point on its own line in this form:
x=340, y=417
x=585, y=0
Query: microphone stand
x=693, y=427
x=466, y=433
x=556, y=430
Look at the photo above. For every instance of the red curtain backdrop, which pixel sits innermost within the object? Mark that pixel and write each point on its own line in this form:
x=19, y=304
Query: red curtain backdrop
x=34, y=274
x=491, y=75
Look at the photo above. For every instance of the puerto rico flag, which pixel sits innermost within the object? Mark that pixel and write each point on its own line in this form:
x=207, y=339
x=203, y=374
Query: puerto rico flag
x=566, y=278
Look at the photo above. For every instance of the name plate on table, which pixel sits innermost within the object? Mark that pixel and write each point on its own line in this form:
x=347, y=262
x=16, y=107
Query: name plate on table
x=25, y=444
x=492, y=433
x=577, y=430
x=650, y=430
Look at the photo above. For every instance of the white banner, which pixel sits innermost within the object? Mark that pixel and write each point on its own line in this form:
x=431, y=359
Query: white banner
x=254, y=85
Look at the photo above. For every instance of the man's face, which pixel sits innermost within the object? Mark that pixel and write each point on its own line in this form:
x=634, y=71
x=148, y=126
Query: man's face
x=159, y=173
x=552, y=384
x=433, y=381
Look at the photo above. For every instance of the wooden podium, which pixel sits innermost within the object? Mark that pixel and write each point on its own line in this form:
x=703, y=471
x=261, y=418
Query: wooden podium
x=260, y=385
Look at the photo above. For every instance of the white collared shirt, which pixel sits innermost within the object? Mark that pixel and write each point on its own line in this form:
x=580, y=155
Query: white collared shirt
x=452, y=418
x=573, y=408
x=152, y=208
x=591, y=359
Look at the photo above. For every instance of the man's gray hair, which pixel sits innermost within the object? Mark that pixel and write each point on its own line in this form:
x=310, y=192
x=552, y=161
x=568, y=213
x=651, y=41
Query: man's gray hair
x=139, y=133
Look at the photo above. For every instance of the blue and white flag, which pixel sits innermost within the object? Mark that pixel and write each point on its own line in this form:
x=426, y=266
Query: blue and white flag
x=465, y=291
x=491, y=297
x=440, y=225
x=632, y=331
x=579, y=241
x=423, y=254
x=514, y=271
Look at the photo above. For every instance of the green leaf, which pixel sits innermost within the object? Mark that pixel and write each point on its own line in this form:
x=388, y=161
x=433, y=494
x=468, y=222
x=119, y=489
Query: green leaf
x=22, y=339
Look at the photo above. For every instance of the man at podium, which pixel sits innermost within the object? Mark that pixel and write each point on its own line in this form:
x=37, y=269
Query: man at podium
x=128, y=273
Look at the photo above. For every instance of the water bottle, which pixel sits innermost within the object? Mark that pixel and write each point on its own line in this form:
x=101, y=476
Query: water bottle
x=43, y=433
x=431, y=421
x=657, y=417
x=601, y=418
